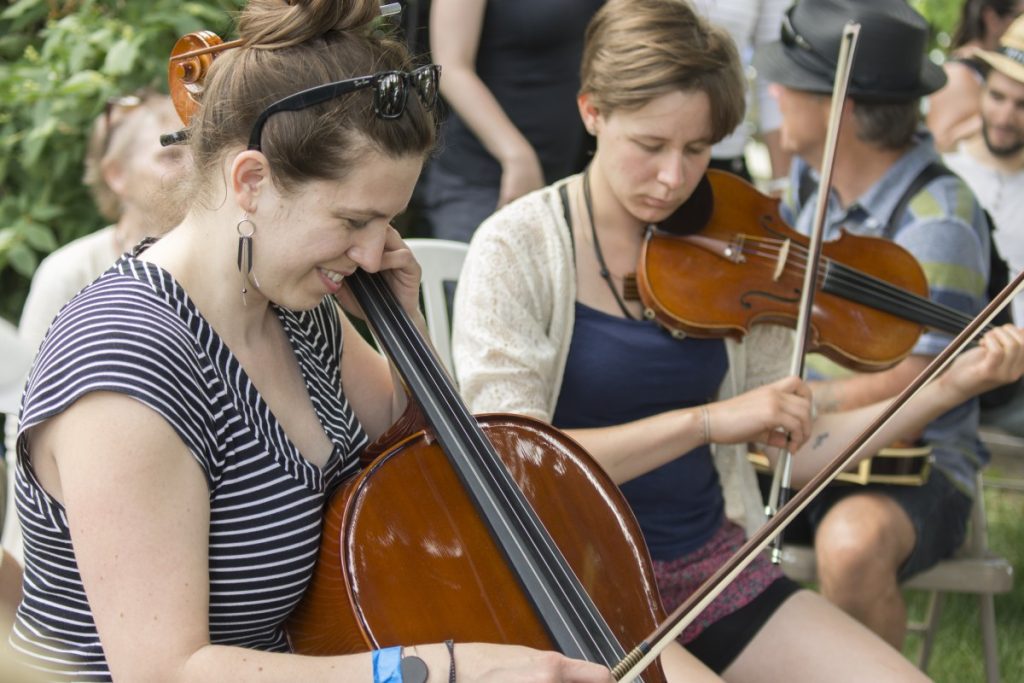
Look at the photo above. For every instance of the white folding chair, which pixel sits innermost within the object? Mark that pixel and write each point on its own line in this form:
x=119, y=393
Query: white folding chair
x=441, y=261
x=974, y=569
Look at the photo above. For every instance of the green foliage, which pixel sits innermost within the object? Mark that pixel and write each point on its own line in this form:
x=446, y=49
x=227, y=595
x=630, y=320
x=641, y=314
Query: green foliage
x=60, y=60
x=943, y=16
x=957, y=656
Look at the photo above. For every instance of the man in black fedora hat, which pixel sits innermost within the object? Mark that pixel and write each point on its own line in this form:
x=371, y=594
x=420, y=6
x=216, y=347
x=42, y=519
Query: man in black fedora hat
x=869, y=539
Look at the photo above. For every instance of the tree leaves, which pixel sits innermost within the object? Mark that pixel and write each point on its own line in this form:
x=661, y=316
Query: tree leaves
x=121, y=58
x=60, y=60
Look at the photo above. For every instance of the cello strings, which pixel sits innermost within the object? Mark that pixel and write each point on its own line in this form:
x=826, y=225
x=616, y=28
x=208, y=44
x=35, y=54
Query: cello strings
x=419, y=348
x=575, y=599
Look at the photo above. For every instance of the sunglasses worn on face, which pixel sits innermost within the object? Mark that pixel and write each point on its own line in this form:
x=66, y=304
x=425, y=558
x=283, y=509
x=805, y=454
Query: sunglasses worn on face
x=792, y=38
x=390, y=93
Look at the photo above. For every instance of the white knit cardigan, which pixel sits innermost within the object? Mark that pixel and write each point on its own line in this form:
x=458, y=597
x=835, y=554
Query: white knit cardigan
x=514, y=316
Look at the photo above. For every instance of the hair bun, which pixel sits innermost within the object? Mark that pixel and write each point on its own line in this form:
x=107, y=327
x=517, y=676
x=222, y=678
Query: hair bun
x=272, y=24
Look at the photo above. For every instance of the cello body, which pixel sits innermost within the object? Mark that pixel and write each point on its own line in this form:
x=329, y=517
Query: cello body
x=406, y=559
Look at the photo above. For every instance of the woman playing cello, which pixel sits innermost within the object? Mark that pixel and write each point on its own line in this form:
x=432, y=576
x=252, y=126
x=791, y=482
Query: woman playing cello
x=543, y=326
x=190, y=411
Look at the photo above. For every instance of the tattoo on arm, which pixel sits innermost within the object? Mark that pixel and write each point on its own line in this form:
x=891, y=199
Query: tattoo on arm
x=819, y=440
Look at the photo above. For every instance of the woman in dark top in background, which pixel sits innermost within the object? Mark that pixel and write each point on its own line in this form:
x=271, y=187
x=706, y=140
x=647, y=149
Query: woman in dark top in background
x=511, y=72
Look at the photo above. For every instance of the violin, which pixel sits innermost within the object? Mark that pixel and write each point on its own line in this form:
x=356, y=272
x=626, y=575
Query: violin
x=493, y=529
x=727, y=260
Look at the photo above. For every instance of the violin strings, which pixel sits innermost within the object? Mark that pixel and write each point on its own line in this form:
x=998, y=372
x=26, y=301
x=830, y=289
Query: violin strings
x=863, y=287
x=852, y=283
x=935, y=315
x=589, y=622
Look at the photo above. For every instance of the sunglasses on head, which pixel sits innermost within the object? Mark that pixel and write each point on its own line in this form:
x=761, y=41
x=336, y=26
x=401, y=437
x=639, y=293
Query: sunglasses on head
x=792, y=38
x=390, y=94
x=110, y=121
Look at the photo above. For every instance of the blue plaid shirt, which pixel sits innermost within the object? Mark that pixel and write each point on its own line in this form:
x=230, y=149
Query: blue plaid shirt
x=943, y=227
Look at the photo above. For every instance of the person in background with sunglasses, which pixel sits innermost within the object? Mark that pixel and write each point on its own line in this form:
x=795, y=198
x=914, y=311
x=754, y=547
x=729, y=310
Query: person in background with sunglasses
x=887, y=182
x=190, y=411
x=545, y=326
x=133, y=181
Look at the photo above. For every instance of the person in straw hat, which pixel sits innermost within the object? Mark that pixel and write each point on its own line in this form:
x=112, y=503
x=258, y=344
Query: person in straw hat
x=868, y=540
x=992, y=163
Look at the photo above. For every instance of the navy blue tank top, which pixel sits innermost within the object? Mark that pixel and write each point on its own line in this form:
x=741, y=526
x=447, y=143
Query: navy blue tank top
x=620, y=370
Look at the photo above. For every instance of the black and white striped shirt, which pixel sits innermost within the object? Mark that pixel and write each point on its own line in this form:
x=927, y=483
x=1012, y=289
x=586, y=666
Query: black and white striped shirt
x=135, y=331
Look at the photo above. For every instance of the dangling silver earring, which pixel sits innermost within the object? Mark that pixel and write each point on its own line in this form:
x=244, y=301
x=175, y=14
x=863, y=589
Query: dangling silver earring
x=245, y=254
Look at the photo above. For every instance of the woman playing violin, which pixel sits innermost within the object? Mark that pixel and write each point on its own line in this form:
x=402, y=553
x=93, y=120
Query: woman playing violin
x=190, y=411
x=544, y=326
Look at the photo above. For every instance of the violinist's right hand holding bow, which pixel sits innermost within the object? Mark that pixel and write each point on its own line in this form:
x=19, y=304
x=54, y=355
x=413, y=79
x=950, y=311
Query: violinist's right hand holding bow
x=777, y=415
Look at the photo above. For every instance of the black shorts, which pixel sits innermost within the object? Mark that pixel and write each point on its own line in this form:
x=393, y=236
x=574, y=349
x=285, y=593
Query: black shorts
x=720, y=644
x=937, y=509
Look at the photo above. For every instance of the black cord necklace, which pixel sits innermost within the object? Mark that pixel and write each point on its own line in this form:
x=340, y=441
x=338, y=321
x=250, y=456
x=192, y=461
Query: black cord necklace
x=605, y=274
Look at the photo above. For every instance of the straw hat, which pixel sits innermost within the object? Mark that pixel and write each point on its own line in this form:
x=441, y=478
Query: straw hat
x=1009, y=58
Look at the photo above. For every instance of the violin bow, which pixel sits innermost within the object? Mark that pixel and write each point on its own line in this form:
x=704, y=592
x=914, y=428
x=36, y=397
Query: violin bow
x=641, y=656
x=780, y=490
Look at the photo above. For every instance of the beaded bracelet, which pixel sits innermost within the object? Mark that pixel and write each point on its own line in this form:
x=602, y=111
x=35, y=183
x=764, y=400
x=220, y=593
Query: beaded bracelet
x=450, y=644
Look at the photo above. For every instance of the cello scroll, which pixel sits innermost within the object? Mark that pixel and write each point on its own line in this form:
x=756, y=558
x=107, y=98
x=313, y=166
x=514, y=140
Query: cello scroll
x=187, y=68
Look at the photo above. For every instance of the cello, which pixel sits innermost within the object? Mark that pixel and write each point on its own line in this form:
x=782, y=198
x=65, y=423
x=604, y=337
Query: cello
x=496, y=529
x=417, y=544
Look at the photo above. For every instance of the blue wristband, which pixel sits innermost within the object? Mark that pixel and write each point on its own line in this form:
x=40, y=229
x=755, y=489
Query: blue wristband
x=387, y=665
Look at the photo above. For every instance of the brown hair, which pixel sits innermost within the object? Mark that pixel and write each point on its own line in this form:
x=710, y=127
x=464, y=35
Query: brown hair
x=291, y=47
x=887, y=125
x=638, y=50
x=971, y=26
x=113, y=137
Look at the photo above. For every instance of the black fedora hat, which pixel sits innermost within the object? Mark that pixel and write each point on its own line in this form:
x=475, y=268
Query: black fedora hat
x=890, y=63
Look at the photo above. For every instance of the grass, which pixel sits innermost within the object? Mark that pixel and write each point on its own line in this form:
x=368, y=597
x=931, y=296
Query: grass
x=957, y=657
